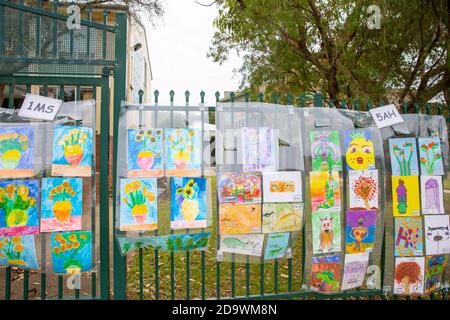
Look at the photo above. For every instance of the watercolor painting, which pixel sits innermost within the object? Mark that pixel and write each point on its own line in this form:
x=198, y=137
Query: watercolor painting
x=16, y=152
x=186, y=242
x=434, y=271
x=282, y=186
x=239, y=188
x=403, y=152
x=277, y=245
x=409, y=276
x=145, y=152
x=355, y=267
x=437, y=234
x=360, y=231
x=259, y=149
x=431, y=157
x=408, y=236
x=247, y=244
x=138, y=204
x=128, y=244
x=282, y=217
x=18, y=251
x=359, y=153
x=71, y=252
x=432, y=194
x=325, y=190
x=363, y=191
x=405, y=196
x=325, y=273
x=240, y=219
x=183, y=152
x=62, y=203
x=72, y=151
x=326, y=232
x=325, y=151
x=187, y=203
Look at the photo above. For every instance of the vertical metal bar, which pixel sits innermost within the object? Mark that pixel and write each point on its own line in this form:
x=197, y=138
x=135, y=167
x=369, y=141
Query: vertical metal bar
x=94, y=199
x=172, y=255
x=88, y=35
x=141, y=276
x=2, y=30
x=38, y=30
x=21, y=35
x=318, y=100
x=60, y=277
x=8, y=283
x=202, y=254
x=217, y=95
x=104, y=42
x=55, y=31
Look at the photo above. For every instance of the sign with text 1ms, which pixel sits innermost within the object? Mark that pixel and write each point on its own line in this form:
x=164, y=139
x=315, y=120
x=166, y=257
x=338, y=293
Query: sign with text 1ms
x=386, y=116
x=39, y=107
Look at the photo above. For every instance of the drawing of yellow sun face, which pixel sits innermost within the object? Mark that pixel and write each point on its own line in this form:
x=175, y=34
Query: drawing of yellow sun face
x=360, y=155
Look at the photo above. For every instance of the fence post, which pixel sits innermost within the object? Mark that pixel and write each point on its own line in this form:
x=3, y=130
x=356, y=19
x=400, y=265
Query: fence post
x=318, y=100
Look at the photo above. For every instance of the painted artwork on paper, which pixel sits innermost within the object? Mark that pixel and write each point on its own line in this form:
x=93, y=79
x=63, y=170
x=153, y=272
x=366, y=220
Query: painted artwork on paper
x=409, y=276
x=282, y=186
x=408, y=236
x=259, y=149
x=186, y=242
x=325, y=191
x=19, y=207
x=430, y=154
x=19, y=251
x=183, y=152
x=326, y=232
x=363, y=191
x=282, y=217
x=437, y=234
x=325, y=273
x=239, y=188
x=72, y=151
x=62, y=204
x=247, y=244
x=138, y=204
x=71, y=252
x=405, y=196
x=128, y=244
x=277, y=245
x=355, y=267
x=432, y=195
x=403, y=152
x=16, y=152
x=359, y=153
x=187, y=203
x=240, y=219
x=145, y=152
x=434, y=271
x=325, y=151
x=360, y=231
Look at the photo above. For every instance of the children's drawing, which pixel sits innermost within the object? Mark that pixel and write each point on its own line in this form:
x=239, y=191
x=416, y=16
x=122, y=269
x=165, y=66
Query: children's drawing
x=326, y=232
x=363, y=189
x=16, y=152
x=355, y=267
x=434, y=270
x=183, y=152
x=282, y=217
x=403, y=154
x=430, y=156
x=360, y=231
x=138, y=204
x=277, y=245
x=127, y=244
x=240, y=219
x=359, y=150
x=186, y=242
x=325, y=151
x=405, y=196
x=325, y=273
x=437, y=234
x=282, y=186
x=145, y=152
x=19, y=251
x=62, y=204
x=188, y=203
x=247, y=244
x=325, y=191
x=235, y=187
x=432, y=194
x=71, y=252
x=18, y=207
x=409, y=276
x=72, y=151
x=408, y=236
x=259, y=149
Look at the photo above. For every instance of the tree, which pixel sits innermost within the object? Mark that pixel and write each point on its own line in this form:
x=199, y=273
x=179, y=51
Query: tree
x=365, y=188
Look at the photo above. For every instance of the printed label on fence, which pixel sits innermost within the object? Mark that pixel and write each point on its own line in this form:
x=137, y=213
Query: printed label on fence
x=39, y=107
x=386, y=116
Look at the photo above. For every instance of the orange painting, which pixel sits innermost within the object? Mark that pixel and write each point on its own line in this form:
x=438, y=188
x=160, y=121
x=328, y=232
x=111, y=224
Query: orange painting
x=238, y=219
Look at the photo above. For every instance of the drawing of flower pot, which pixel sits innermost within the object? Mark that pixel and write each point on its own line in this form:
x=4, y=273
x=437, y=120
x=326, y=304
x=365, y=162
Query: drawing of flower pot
x=181, y=159
x=72, y=267
x=73, y=154
x=145, y=159
x=16, y=218
x=62, y=210
x=19, y=262
x=10, y=159
x=139, y=213
x=189, y=209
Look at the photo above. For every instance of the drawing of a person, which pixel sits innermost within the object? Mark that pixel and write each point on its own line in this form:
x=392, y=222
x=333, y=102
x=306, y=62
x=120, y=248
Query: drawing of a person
x=401, y=196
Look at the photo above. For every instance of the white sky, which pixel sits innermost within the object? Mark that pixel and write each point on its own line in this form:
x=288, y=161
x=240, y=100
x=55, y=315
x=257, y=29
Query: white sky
x=178, y=46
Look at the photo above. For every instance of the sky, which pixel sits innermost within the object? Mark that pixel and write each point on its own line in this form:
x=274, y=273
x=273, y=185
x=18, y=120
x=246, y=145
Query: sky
x=178, y=45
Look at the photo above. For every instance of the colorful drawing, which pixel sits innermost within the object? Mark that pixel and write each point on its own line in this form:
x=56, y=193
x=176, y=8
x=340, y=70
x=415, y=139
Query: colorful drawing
x=145, y=152
x=247, y=244
x=71, y=252
x=432, y=194
x=363, y=189
x=409, y=276
x=359, y=150
x=259, y=149
x=18, y=207
x=360, y=231
x=19, y=251
x=355, y=267
x=431, y=157
x=325, y=151
x=408, y=236
x=403, y=153
x=405, y=196
x=326, y=232
x=16, y=152
x=187, y=203
x=183, y=152
x=282, y=186
x=437, y=234
x=62, y=204
x=235, y=187
x=72, y=151
x=138, y=204
x=240, y=219
x=325, y=273
x=127, y=244
x=434, y=271
x=277, y=245
x=325, y=191
x=282, y=217
x=186, y=242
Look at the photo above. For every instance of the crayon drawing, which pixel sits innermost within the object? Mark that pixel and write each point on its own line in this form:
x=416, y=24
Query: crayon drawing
x=16, y=152
x=325, y=151
x=326, y=232
x=405, y=196
x=430, y=156
x=235, y=187
x=408, y=236
x=355, y=267
x=409, y=276
x=240, y=219
x=437, y=234
x=19, y=251
x=71, y=252
x=183, y=152
x=360, y=231
x=325, y=273
x=145, y=152
x=277, y=245
x=432, y=194
x=403, y=152
x=247, y=244
x=363, y=191
x=434, y=270
x=359, y=150
x=325, y=191
x=282, y=186
x=258, y=149
x=282, y=217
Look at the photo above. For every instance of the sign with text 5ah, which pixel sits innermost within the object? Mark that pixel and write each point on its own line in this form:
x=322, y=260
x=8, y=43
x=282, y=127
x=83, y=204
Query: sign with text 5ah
x=386, y=116
x=39, y=107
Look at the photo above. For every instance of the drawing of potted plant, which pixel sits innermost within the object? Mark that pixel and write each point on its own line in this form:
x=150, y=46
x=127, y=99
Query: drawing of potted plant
x=15, y=202
x=182, y=148
x=432, y=155
x=365, y=188
x=149, y=140
x=62, y=206
x=67, y=248
x=189, y=202
x=72, y=145
x=407, y=273
x=137, y=200
x=399, y=154
x=11, y=146
x=12, y=249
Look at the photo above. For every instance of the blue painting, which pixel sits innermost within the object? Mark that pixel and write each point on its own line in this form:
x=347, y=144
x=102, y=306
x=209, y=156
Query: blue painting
x=186, y=242
x=145, y=152
x=277, y=245
x=128, y=244
x=430, y=157
x=16, y=152
x=19, y=251
x=183, y=152
x=71, y=252
x=403, y=152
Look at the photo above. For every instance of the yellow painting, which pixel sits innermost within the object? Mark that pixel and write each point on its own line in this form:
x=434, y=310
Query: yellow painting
x=238, y=219
x=405, y=196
